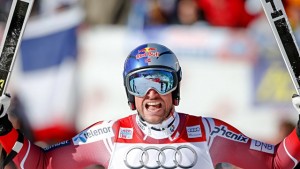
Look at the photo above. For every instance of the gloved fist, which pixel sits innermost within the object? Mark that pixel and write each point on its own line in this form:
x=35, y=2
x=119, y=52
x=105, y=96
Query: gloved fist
x=4, y=104
x=5, y=124
x=296, y=102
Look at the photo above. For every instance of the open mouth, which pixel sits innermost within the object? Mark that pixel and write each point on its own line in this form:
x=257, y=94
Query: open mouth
x=153, y=105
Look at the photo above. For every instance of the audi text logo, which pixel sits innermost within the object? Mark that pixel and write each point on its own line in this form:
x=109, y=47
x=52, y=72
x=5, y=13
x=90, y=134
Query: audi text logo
x=153, y=157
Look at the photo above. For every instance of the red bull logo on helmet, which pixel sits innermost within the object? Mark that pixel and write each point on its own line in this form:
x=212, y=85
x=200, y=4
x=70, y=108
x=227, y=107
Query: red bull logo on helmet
x=147, y=52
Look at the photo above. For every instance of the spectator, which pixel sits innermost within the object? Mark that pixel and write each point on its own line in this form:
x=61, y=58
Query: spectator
x=188, y=12
x=106, y=12
x=227, y=13
x=292, y=8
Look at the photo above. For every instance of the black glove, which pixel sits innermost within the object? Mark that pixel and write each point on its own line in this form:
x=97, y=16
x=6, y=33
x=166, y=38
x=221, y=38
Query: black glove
x=296, y=104
x=5, y=127
x=5, y=124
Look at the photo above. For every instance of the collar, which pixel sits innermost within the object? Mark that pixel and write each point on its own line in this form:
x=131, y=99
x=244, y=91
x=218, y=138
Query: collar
x=159, y=131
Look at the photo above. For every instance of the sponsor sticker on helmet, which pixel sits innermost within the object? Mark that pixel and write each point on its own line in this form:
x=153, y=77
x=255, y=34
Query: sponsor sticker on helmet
x=147, y=52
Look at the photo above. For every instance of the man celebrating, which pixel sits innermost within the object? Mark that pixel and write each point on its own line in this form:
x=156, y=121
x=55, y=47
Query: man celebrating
x=157, y=136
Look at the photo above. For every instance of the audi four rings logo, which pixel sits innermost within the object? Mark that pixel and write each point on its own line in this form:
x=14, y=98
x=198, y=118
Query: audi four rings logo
x=183, y=156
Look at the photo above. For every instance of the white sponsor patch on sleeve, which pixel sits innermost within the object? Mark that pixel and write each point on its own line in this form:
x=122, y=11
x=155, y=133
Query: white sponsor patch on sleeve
x=260, y=146
x=93, y=134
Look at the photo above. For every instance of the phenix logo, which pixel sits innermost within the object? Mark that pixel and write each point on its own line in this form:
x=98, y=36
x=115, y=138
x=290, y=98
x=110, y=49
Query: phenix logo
x=224, y=132
x=146, y=52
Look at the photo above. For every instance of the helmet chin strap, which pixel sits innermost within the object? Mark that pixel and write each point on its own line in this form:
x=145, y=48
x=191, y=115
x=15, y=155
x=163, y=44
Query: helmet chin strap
x=161, y=130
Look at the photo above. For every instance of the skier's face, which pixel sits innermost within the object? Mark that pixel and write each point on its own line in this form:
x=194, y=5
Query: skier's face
x=153, y=107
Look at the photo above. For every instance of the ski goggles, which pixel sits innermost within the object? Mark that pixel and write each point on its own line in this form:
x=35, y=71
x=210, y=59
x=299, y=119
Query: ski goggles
x=164, y=81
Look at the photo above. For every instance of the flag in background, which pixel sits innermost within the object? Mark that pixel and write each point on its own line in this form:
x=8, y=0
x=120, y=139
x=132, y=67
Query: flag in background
x=47, y=82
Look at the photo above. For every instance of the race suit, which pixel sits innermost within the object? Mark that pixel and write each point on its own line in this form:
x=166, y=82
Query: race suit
x=187, y=142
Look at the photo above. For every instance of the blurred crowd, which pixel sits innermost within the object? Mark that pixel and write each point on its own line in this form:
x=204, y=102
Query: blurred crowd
x=224, y=13
x=142, y=15
x=221, y=13
x=233, y=13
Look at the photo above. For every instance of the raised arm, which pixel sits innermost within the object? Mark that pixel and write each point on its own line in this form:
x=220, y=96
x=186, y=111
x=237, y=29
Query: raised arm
x=83, y=150
x=227, y=144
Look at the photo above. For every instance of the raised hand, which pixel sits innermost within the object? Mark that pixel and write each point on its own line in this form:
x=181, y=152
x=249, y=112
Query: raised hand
x=296, y=104
x=5, y=124
x=4, y=104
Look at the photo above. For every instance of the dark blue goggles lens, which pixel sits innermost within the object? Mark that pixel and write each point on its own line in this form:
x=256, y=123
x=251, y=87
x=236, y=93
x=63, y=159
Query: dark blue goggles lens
x=163, y=81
